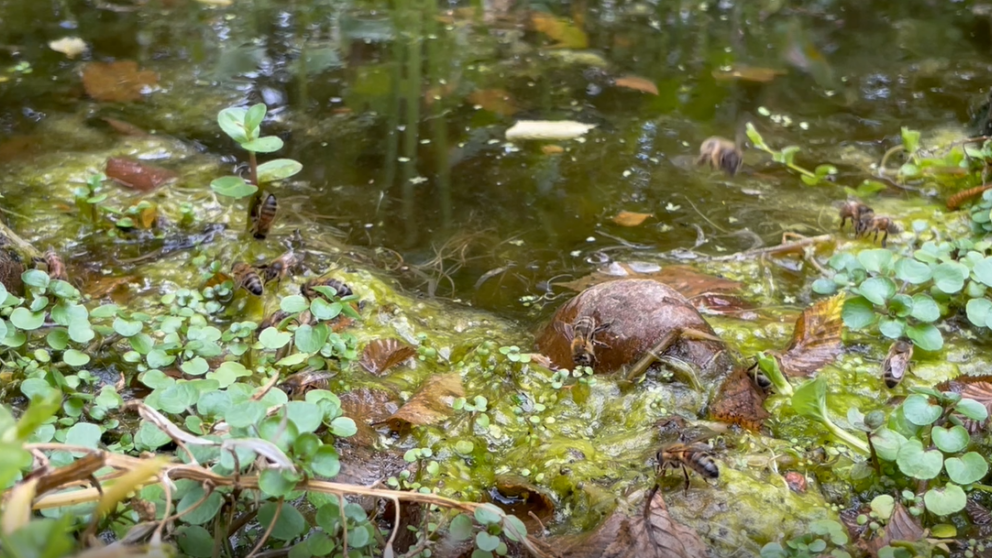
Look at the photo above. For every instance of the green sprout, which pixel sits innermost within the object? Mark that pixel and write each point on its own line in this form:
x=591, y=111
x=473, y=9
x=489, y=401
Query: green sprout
x=810, y=399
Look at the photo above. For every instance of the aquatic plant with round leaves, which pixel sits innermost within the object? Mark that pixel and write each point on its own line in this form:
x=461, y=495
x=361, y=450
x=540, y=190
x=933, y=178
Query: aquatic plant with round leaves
x=787, y=156
x=825, y=537
x=810, y=400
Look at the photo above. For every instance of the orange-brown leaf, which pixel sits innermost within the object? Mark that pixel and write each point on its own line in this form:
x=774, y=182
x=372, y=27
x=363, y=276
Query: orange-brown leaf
x=382, y=354
x=816, y=339
x=978, y=388
x=552, y=149
x=117, y=82
x=748, y=73
x=367, y=406
x=494, y=100
x=739, y=401
x=431, y=404
x=637, y=84
x=562, y=31
x=631, y=219
x=137, y=175
x=901, y=527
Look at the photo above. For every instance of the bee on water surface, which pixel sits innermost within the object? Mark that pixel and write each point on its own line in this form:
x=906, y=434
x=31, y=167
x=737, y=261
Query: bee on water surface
x=896, y=364
x=857, y=212
x=720, y=153
x=279, y=268
x=247, y=278
x=884, y=225
x=56, y=267
x=307, y=289
x=581, y=334
x=696, y=456
x=263, y=214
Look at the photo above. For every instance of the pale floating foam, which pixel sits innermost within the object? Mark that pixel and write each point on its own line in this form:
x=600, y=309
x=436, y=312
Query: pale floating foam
x=547, y=130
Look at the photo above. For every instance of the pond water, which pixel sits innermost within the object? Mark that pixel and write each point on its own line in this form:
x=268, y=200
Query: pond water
x=398, y=113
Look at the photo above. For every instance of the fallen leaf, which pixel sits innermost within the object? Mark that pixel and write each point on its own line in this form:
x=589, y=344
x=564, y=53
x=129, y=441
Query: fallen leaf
x=901, y=527
x=498, y=101
x=137, y=175
x=687, y=281
x=631, y=219
x=739, y=401
x=125, y=128
x=79, y=470
x=71, y=47
x=17, y=507
x=102, y=286
x=382, y=354
x=563, y=32
x=816, y=340
x=718, y=304
x=637, y=84
x=552, y=149
x=117, y=82
x=547, y=130
x=147, y=216
x=650, y=533
x=367, y=406
x=748, y=73
x=978, y=388
x=431, y=404
x=516, y=496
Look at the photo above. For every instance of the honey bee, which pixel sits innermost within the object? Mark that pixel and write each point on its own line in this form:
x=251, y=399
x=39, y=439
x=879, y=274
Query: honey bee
x=696, y=456
x=857, y=212
x=279, y=268
x=896, y=364
x=301, y=382
x=884, y=225
x=581, y=334
x=720, y=153
x=246, y=278
x=56, y=267
x=307, y=289
x=263, y=214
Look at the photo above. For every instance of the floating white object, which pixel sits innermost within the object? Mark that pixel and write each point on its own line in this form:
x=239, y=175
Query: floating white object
x=547, y=130
x=69, y=46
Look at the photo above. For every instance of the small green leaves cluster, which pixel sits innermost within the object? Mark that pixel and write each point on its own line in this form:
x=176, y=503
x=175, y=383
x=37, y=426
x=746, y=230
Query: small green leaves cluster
x=490, y=524
x=952, y=167
x=924, y=439
x=981, y=214
x=810, y=400
x=244, y=126
x=787, y=156
x=824, y=538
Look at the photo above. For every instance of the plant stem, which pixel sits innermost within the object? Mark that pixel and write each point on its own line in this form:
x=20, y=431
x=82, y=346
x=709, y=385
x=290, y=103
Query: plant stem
x=792, y=166
x=253, y=168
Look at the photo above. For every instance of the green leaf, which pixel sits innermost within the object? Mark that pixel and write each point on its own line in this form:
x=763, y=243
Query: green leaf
x=293, y=304
x=272, y=339
x=253, y=118
x=810, y=398
x=887, y=443
x=72, y=357
x=158, y=358
x=858, y=313
x=266, y=144
x=204, y=511
x=141, y=343
x=925, y=309
x=310, y=339
x=275, y=482
x=486, y=542
x=307, y=416
x=461, y=528
x=84, y=434
x=232, y=121
x=901, y=305
x=35, y=278
x=213, y=404
x=326, y=462
x=949, y=277
x=278, y=169
x=824, y=286
x=883, y=505
x=918, y=410
x=950, y=440
x=891, y=328
x=945, y=501
x=290, y=523
x=244, y=414
x=983, y=271
x=195, y=541
x=22, y=318
x=910, y=140
x=293, y=359
x=909, y=170
x=514, y=529
x=126, y=328
x=970, y=467
x=342, y=427
x=195, y=367
x=972, y=409
x=228, y=373
x=977, y=311
x=919, y=464
x=233, y=187
x=876, y=261
x=926, y=337
x=488, y=514
x=878, y=290
x=323, y=310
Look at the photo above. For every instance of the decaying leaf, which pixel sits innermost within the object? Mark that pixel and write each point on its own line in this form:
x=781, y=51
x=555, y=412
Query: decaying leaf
x=739, y=401
x=17, y=507
x=367, y=406
x=431, y=404
x=562, y=31
x=901, y=527
x=523, y=499
x=649, y=533
x=547, y=130
x=978, y=388
x=719, y=304
x=748, y=73
x=71, y=47
x=631, y=219
x=498, y=101
x=137, y=175
x=128, y=482
x=117, y=82
x=816, y=340
x=382, y=354
x=683, y=279
x=637, y=84
x=79, y=470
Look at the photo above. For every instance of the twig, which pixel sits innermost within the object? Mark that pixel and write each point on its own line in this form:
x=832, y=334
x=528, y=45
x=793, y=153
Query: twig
x=786, y=247
x=268, y=531
x=539, y=522
x=268, y=386
x=885, y=158
x=396, y=525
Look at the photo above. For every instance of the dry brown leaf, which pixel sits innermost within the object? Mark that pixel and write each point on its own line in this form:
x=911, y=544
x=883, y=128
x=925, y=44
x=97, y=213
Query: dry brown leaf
x=531, y=503
x=562, y=31
x=494, y=100
x=382, y=354
x=637, y=84
x=739, y=401
x=367, y=406
x=631, y=219
x=748, y=73
x=125, y=128
x=117, y=82
x=137, y=175
x=683, y=279
x=431, y=404
x=816, y=340
x=552, y=149
x=79, y=470
x=901, y=527
x=650, y=533
x=978, y=388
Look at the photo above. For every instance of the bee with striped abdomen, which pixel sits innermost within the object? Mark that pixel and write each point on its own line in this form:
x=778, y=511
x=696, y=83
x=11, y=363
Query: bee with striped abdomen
x=263, y=214
x=247, y=278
